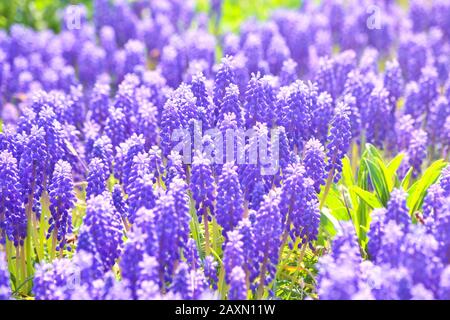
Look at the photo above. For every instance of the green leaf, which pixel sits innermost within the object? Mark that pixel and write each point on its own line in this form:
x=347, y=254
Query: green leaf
x=347, y=174
x=363, y=209
x=418, y=190
x=329, y=223
x=407, y=179
x=336, y=205
x=378, y=180
x=394, y=164
x=367, y=197
x=388, y=178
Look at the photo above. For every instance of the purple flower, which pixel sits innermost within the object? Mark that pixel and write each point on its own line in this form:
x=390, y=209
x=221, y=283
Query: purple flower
x=321, y=116
x=403, y=128
x=238, y=285
x=99, y=102
x=376, y=233
x=5, y=288
x=277, y=53
x=432, y=203
x=13, y=221
x=173, y=63
x=134, y=55
x=412, y=53
x=178, y=110
x=393, y=81
x=441, y=233
x=140, y=195
x=429, y=86
x=360, y=86
x=268, y=227
x=203, y=101
x=200, y=46
x=417, y=150
x=117, y=126
x=230, y=44
x=179, y=190
x=104, y=227
x=253, y=51
x=439, y=111
x=118, y=201
x=230, y=202
x=131, y=262
x=52, y=281
x=397, y=210
x=202, y=185
x=191, y=254
x=210, y=269
x=91, y=62
x=257, y=195
x=168, y=251
x=444, y=290
x=175, y=167
x=340, y=274
x=378, y=118
x=333, y=73
x=288, y=72
x=102, y=149
x=392, y=242
x=128, y=167
x=223, y=78
x=314, y=162
x=297, y=112
x=338, y=140
x=188, y=284
x=231, y=104
x=148, y=279
x=299, y=205
x=62, y=201
x=233, y=252
x=32, y=168
x=97, y=178
x=444, y=181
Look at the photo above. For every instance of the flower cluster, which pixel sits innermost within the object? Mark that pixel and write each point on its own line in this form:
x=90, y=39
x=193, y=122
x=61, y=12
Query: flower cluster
x=94, y=186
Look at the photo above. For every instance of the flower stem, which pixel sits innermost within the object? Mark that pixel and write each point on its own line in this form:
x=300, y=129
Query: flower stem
x=18, y=269
x=327, y=188
x=205, y=221
x=262, y=279
x=25, y=265
x=54, y=243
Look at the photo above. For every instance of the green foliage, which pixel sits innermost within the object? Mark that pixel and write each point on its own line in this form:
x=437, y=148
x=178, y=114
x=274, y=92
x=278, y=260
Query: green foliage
x=38, y=14
x=236, y=11
x=376, y=178
x=418, y=190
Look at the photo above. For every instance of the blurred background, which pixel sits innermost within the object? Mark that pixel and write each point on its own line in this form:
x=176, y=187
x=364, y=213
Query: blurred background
x=41, y=14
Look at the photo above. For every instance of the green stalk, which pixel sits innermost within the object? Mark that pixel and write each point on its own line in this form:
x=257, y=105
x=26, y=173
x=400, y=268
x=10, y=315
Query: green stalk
x=54, y=244
x=216, y=235
x=354, y=163
x=262, y=279
x=38, y=243
x=9, y=256
x=18, y=269
x=327, y=188
x=23, y=267
x=28, y=256
x=205, y=221
x=42, y=230
x=221, y=286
